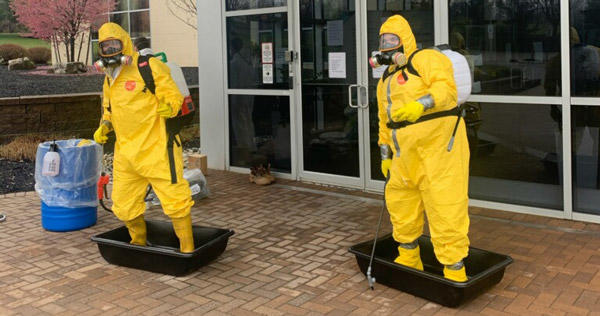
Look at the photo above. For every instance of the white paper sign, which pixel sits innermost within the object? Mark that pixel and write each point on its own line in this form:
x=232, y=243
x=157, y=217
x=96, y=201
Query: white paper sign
x=335, y=33
x=337, y=65
x=379, y=71
x=267, y=73
x=267, y=53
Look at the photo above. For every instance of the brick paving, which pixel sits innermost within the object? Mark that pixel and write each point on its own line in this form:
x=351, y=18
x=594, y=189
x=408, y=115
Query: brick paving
x=288, y=257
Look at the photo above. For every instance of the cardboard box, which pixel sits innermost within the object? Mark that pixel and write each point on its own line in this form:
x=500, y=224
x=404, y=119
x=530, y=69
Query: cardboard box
x=198, y=161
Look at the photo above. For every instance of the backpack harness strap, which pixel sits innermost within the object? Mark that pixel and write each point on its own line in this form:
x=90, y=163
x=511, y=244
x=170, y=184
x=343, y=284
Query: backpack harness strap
x=146, y=72
x=108, y=83
x=456, y=111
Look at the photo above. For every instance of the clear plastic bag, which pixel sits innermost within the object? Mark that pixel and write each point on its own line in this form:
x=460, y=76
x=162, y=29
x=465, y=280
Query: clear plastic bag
x=75, y=185
x=197, y=182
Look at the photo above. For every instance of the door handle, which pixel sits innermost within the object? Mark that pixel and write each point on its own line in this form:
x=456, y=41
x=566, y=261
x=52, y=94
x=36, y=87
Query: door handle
x=350, y=104
x=363, y=96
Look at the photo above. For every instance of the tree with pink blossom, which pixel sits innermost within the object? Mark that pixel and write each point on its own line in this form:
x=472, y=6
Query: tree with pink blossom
x=62, y=21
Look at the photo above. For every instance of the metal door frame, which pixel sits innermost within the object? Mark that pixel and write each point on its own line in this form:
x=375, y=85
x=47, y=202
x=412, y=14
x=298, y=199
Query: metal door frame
x=268, y=92
x=311, y=176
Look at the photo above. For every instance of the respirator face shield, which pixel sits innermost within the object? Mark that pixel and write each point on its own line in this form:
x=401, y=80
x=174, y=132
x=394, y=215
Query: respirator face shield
x=111, y=54
x=110, y=47
x=390, y=51
x=389, y=42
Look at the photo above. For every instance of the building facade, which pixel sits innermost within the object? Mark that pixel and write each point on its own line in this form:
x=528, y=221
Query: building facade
x=157, y=20
x=288, y=83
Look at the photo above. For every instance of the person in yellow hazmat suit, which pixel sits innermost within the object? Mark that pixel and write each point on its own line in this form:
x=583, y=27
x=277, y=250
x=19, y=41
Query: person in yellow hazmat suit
x=426, y=172
x=138, y=119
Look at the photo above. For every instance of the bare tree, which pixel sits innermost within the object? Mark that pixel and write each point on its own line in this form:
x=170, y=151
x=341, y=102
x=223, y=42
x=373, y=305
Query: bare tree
x=184, y=10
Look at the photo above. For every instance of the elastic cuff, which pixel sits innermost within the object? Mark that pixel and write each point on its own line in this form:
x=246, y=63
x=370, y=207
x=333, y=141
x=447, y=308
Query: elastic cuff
x=107, y=124
x=457, y=266
x=386, y=152
x=410, y=245
x=427, y=101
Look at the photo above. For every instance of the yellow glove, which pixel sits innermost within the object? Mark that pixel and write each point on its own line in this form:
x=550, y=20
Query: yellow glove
x=409, y=112
x=100, y=134
x=164, y=109
x=385, y=166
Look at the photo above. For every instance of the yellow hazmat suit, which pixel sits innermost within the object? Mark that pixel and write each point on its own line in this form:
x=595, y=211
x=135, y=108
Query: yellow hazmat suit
x=424, y=175
x=141, y=147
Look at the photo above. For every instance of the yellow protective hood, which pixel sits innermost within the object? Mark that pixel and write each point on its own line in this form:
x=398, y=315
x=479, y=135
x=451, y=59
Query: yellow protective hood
x=396, y=24
x=113, y=30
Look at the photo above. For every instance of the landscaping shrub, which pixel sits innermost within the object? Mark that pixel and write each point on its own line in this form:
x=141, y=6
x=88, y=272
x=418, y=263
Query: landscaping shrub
x=25, y=147
x=12, y=51
x=189, y=133
x=40, y=55
x=21, y=148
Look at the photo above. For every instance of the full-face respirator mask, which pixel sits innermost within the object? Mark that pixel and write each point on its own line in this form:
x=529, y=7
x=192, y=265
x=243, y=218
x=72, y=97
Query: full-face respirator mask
x=391, y=52
x=111, y=54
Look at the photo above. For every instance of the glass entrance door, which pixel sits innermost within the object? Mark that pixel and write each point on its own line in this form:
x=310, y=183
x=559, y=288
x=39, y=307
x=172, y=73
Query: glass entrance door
x=259, y=83
x=331, y=142
x=339, y=124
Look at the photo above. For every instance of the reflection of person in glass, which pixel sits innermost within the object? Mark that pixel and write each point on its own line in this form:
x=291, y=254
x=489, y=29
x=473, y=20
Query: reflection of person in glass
x=585, y=69
x=585, y=82
x=424, y=173
x=243, y=72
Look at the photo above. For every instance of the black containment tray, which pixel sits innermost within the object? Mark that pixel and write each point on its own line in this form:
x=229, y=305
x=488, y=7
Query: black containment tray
x=163, y=255
x=484, y=270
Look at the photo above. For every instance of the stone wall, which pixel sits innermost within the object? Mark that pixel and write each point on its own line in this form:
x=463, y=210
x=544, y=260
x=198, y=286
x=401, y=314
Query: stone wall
x=64, y=114
x=73, y=114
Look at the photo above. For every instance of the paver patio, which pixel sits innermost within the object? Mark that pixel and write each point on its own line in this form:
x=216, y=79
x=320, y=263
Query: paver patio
x=289, y=256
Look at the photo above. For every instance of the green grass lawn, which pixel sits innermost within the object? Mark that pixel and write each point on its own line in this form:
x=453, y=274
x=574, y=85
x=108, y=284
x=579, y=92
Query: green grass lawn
x=11, y=38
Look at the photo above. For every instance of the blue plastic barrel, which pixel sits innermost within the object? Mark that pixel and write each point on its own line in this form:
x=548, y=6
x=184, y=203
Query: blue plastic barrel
x=64, y=219
x=69, y=199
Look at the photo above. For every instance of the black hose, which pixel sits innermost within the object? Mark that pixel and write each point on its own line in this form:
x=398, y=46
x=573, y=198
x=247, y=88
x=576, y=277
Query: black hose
x=370, y=278
x=106, y=194
x=104, y=206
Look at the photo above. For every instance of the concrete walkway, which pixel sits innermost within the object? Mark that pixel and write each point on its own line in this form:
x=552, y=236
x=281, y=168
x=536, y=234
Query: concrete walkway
x=289, y=256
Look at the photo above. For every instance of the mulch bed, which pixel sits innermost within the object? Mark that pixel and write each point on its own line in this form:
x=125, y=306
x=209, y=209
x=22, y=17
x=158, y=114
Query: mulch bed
x=37, y=82
x=16, y=176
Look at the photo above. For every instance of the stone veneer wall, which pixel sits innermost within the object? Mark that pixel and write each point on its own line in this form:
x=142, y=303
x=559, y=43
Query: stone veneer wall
x=76, y=114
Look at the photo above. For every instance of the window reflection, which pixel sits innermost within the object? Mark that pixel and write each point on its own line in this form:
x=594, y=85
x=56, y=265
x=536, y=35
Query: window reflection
x=516, y=155
x=122, y=5
x=584, y=43
x=513, y=45
x=259, y=131
x=140, y=24
x=138, y=4
x=253, y=4
x=586, y=162
x=245, y=36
